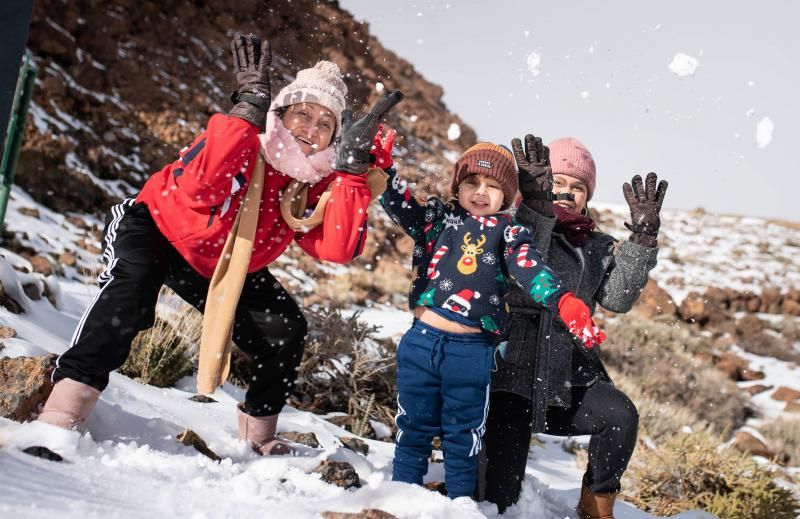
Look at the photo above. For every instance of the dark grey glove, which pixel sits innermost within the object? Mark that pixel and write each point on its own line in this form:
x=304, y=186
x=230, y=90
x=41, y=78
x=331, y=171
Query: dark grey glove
x=251, y=63
x=353, y=150
x=535, y=174
x=645, y=200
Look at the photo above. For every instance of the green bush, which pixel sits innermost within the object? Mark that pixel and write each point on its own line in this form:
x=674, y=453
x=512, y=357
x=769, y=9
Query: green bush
x=690, y=471
x=166, y=352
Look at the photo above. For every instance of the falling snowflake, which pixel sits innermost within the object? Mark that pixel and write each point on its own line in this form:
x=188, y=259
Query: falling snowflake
x=429, y=215
x=418, y=251
x=446, y=284
x=489, y=258
x=495, y=300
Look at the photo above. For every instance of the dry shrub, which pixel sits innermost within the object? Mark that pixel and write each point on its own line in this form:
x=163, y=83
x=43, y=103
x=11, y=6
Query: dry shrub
x=783, y=436
x=359, y=286
x=166, y=352
x=690, y=471
x=345, y=368
x=657, y=357
x=769, y=344
x=788, y=326
x=656, y=420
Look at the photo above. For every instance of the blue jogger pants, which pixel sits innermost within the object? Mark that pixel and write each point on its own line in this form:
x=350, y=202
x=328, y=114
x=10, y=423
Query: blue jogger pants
x=443, y=389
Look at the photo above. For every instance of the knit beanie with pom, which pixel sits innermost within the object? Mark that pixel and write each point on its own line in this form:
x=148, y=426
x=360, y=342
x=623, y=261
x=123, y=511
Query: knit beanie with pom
x=568, y=156
x=493, y=161
x=321, y=84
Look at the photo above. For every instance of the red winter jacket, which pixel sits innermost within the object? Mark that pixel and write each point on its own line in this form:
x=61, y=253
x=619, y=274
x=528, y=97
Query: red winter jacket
x=194, y=202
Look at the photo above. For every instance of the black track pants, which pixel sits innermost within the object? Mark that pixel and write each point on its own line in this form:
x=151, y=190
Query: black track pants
x=601, y=410
x=268, y=324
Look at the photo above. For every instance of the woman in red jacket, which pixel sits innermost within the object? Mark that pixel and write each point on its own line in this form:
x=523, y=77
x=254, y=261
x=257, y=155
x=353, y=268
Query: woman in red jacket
x=174, y=231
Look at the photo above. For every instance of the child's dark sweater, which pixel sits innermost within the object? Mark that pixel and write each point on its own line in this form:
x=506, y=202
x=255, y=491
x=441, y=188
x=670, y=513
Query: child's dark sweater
x=461, y=262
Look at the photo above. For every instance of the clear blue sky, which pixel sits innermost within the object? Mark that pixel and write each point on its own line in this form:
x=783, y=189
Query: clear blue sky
x=698, y=132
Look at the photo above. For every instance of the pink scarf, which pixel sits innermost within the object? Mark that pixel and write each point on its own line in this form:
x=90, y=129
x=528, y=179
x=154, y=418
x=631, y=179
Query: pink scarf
x=283, y=153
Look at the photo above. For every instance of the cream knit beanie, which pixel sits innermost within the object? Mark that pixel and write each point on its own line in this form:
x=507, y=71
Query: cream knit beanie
x=321, y=84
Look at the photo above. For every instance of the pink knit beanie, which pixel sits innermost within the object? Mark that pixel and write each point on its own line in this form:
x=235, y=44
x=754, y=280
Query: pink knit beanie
x=321, y=84
x=568, y=156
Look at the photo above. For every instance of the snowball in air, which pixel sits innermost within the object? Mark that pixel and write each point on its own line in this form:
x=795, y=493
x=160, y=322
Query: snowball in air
x=585, y=94
x=764, y=132
x=683, y=65
x=534, y=60
x=379, y=86
x=453, y=132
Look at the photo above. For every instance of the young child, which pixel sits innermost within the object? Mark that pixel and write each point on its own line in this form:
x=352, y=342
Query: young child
x=465, y=255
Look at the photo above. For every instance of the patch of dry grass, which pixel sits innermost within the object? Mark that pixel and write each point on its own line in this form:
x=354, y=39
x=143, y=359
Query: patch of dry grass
x=658, y=358
x=166, y=352
x=690, y=471
x=345, y=368
x=783, y=437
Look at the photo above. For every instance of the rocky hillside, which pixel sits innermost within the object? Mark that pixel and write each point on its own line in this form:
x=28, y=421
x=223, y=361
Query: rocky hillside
x=124, y=84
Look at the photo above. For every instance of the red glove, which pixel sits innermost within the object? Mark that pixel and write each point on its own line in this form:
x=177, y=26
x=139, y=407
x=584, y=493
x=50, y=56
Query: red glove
x=382, y=148
x=578, y=318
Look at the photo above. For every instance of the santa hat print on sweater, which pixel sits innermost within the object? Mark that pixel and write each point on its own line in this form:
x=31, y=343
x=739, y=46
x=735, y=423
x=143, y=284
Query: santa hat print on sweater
x=460, y=301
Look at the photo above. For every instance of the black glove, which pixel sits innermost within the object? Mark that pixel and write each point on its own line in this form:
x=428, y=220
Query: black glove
x=535, y=175
x=645, y=203
x=352, y=153
x=251, y=63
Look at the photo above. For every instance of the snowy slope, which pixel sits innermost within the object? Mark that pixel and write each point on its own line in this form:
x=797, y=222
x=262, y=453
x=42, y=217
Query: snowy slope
x=129, y=465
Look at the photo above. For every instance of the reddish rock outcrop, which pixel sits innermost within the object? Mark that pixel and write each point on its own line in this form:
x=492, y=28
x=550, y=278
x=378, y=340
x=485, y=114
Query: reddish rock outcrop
x=654, y=301
x=25, y=385
x=785, y=394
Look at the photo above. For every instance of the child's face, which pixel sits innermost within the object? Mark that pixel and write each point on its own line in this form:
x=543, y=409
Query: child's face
x=567, y=184
x=312, y=126
x=480, y=195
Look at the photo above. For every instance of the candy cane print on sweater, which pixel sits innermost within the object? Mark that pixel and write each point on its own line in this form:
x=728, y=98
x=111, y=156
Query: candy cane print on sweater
x=486, y=221
x=432, y=272
x=522, y=257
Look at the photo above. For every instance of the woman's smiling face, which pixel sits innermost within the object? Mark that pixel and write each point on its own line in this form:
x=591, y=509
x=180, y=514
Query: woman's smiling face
x=568, y=184
x=312, y=126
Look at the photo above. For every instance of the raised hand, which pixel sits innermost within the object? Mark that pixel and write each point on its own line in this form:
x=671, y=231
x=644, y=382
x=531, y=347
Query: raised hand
x=535, y=174
x=251, y=63
x=645, y=200
x=353, y=151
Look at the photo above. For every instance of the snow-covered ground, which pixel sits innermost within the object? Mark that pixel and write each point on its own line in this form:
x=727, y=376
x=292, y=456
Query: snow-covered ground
x=129, y=464
x=701, y=250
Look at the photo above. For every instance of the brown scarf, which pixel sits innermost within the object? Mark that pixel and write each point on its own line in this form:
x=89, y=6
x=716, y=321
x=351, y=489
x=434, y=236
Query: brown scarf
x=226, y=287
x=575, y=227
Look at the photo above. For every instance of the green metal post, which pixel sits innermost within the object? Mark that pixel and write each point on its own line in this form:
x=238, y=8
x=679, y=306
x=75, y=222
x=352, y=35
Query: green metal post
x=16, y=130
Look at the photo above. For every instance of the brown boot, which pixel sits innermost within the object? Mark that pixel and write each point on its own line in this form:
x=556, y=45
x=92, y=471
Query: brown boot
x=259, y=431
x=596, y=506
x=69, y=404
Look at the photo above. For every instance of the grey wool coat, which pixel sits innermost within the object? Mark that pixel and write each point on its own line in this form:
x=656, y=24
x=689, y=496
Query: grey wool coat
x=543, y=361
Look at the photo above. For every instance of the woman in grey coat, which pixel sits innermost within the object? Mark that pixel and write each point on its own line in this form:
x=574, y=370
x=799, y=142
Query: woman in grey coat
x=547, y=382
